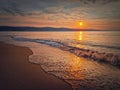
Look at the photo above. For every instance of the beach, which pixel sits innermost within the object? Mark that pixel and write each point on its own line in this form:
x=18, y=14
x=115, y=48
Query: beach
x=17, y=73
x=60, y=45
x=59, y=61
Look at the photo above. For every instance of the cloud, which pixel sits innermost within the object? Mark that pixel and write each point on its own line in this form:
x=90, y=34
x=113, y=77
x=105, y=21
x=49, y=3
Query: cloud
x=92, y=1
x=27, y=7
x=59, y=10
x=12, y=11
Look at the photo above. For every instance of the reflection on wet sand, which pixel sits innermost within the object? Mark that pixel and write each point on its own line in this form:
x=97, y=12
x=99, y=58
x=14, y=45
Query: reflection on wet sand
x=76, y=64
x=75, y=67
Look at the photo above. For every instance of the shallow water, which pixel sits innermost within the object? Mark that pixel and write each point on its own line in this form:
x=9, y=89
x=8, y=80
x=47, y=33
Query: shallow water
x=81, y=73
x=102, y=41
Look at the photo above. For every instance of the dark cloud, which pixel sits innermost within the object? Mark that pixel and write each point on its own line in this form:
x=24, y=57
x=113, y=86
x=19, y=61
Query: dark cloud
x=9, y=7
x=93, y=1
x=99, y=1
x=26, y=7
x=12, y=11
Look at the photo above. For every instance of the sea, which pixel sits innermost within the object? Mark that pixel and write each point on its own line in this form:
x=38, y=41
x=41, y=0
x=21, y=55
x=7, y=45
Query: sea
x=77, y=57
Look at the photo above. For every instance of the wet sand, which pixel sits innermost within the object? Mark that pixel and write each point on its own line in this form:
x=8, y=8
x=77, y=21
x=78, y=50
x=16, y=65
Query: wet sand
x=17, y=73
x=80, y=73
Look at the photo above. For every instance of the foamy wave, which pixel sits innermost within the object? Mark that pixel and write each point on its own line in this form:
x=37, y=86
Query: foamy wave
x=86, y=53
x=97, y=45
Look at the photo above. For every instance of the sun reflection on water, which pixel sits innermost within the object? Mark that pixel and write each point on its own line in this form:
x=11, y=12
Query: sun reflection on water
x=80, y=36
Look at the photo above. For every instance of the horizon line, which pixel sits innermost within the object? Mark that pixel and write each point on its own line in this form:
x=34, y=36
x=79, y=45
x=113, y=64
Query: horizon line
x=76, y=29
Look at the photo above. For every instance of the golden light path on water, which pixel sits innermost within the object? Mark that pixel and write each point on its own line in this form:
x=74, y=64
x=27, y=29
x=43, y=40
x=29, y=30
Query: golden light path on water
x=80, y=36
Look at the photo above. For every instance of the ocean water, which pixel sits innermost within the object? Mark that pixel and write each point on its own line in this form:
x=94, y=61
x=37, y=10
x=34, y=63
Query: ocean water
x=102, y=41
x=57, y=53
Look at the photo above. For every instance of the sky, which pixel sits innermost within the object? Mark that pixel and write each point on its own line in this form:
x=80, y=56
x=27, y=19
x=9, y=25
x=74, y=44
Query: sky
x=95, y=14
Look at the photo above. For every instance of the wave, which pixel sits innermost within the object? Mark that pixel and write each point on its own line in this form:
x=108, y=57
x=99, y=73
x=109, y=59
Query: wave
x=81, y=52
x=93, y=44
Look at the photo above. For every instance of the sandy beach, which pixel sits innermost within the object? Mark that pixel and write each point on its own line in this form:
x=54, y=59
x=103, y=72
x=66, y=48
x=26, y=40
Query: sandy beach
x=17, y=73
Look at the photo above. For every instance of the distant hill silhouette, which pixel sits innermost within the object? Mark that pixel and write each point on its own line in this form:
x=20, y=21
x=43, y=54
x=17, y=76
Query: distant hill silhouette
x=13, y=28
x=10, y=28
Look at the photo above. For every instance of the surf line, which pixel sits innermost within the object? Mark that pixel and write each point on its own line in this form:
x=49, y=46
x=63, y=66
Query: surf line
x=80, y=52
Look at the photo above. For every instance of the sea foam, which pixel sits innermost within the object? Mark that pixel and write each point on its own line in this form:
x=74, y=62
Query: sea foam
x=81, y=52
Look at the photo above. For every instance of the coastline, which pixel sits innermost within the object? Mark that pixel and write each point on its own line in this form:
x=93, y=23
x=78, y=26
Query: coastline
x=105, y=57
x=17, y=73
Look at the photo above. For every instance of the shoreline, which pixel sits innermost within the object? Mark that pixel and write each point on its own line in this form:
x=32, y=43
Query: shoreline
x=110, y=58
x=18, y=73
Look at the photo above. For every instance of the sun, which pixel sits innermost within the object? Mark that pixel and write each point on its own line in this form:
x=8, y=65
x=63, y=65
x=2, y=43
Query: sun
x=81, y=23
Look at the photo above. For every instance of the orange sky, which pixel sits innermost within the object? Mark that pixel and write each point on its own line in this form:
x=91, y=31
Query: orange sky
x=64, y=13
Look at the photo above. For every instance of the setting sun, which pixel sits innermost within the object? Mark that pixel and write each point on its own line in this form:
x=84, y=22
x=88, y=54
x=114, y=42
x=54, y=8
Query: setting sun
x=81, y=23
